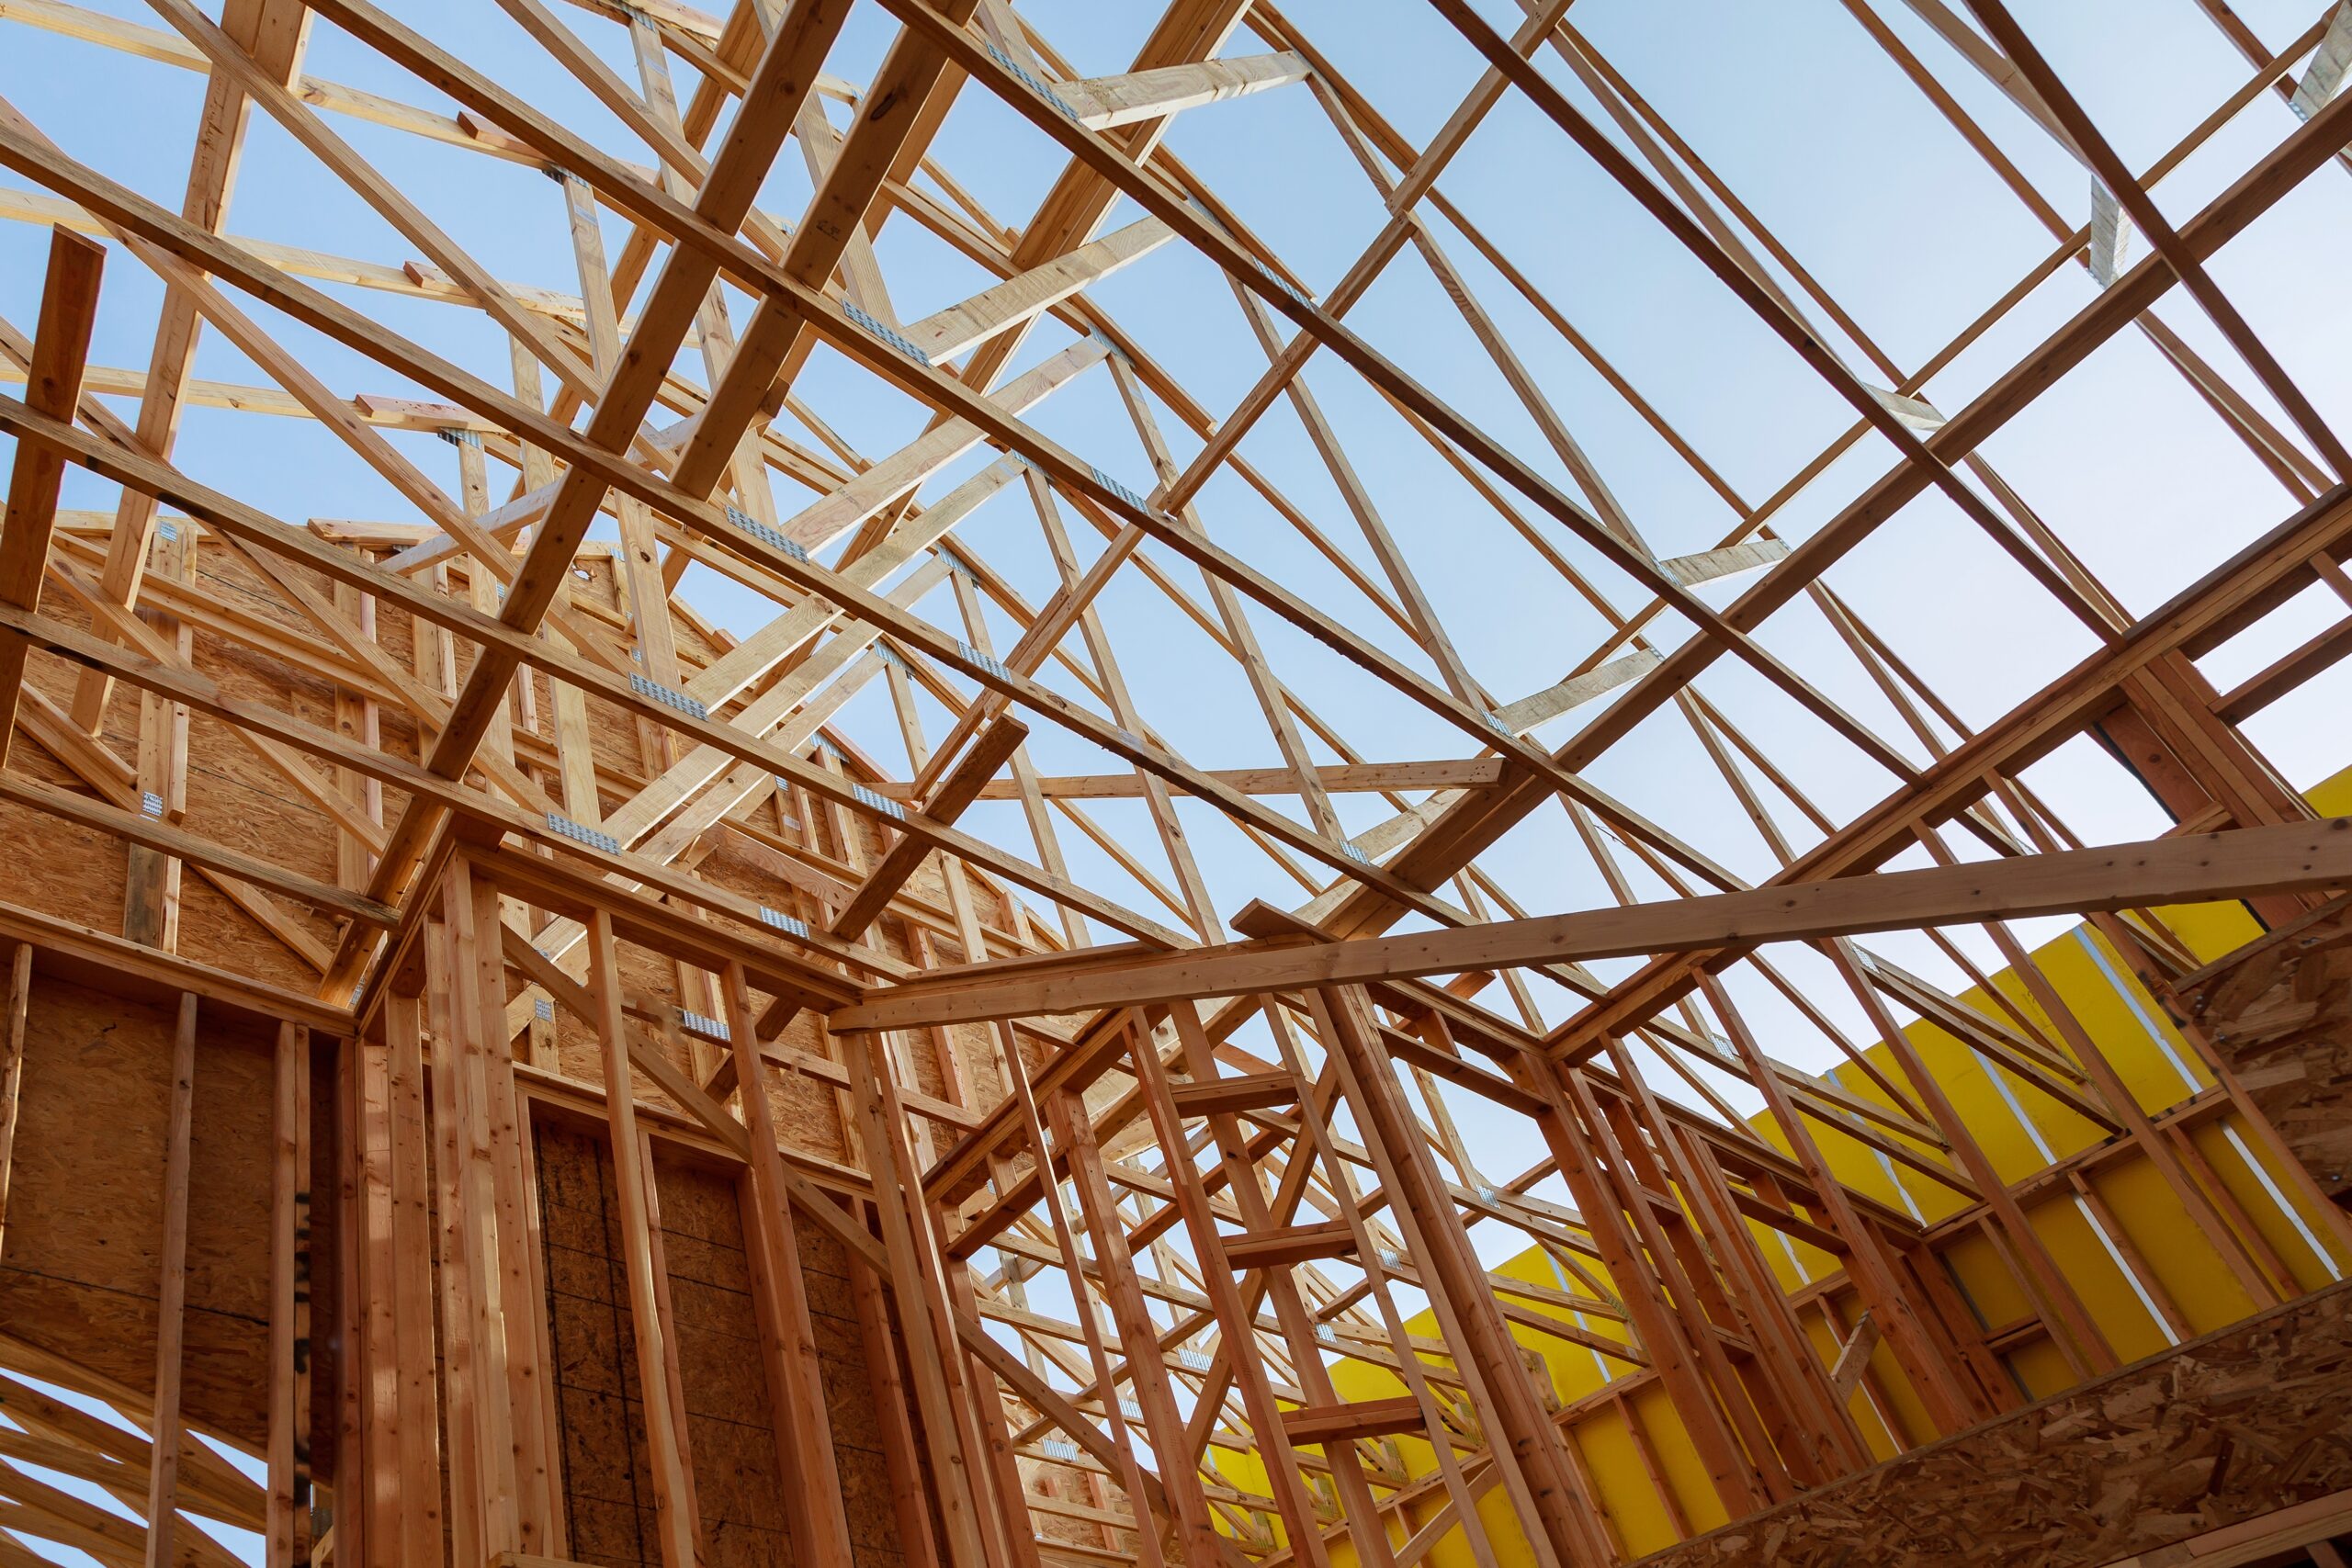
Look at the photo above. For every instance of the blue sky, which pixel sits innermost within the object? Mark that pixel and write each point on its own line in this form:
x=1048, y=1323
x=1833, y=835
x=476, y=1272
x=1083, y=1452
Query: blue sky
x=1791, y=103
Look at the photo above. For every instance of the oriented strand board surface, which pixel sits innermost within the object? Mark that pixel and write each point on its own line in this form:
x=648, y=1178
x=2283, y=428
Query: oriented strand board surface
x=234, y=798
x=849, y=1402
x=2234, y=1425
x=82, y=1262
x=2281, y=1011
x=608, y=1493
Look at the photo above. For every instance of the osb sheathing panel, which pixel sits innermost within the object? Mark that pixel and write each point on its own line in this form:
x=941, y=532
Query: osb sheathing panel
x=731, y=1433
x=808, y=1117
x=1045, y=1482
x=234, y=798
x=83, y=1255
x=2241, y=1422
x=806, y=1108
x=243, y=803
x=2281, y=1013
x=849, y=1401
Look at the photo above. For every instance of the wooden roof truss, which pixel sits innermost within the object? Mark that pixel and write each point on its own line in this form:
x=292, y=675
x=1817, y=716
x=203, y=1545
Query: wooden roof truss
x=1254, y=1150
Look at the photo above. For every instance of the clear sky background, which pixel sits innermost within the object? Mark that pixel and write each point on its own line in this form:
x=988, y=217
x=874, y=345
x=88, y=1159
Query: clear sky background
x=1790, y=102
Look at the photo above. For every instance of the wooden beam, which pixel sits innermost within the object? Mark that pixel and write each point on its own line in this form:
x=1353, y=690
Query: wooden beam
x=777, y=339
x=925, y=1319
x=1710, y=565
x=69, y=308
x=1337, y=778
x=673, y=1522
x=1541, y=707
x=989, y=751
x=288, y=1533
x=141, y=828
x=272, y=36
x=1316, y=1425
x=171, y=1299
x=12, y=1065
x=1102, y=103
x=815, y=1507
x=783, y=77
x=943, y=334
x=2210, y=865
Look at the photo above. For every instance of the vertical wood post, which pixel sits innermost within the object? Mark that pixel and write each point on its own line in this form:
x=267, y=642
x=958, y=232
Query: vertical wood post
x=810, y=1476
x=414, y=1375
x=290, y=1304
x=461, y=1109
x=356, y=1543
x=500, y=1133
x=923, y=1313
x=665, y=1445
x=171, y=1299
x=372, y=1360
x=461, y=1380
x=893, y=1415
x=12, y=1066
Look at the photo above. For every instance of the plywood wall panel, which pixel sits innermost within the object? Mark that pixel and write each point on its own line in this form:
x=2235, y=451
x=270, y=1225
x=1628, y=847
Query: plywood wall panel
x=80, y=1272
x=2227, y=1428
x=2281, y=1011
x=730, y=1430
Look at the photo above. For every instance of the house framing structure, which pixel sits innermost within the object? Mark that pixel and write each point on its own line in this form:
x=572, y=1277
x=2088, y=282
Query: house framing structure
x=546, y=1092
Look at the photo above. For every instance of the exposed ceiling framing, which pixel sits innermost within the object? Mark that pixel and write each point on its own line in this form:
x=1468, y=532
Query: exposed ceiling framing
x=1250, y=1108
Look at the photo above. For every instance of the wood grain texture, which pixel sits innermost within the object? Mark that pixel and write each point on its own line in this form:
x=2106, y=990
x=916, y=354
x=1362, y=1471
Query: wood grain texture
x=2225, y=1428
x=729, y=1427
x=86, y=1219
x=2280, y=1011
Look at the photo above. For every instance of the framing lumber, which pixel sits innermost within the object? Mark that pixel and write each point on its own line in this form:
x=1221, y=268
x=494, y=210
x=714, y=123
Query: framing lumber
x=938, y=1182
